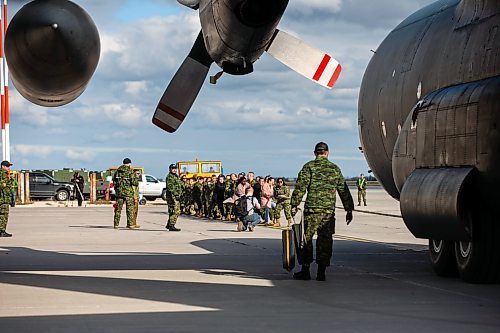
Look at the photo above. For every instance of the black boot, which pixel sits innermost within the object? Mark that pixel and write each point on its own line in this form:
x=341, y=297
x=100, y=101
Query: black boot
x=304, y=274
x=5, y=234
x=172, y=228
x=321, y=273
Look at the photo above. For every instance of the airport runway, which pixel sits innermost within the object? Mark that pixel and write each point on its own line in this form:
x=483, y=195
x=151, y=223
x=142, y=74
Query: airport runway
x=68, y=270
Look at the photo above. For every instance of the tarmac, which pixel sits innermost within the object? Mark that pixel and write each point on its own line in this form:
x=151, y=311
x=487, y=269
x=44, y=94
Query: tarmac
x=67, y=270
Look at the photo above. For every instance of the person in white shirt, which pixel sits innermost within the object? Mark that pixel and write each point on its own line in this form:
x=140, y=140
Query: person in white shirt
x=251, y=220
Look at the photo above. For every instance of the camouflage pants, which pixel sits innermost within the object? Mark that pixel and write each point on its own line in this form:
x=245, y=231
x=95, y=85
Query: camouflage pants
x=228, y=210
x=129, y=202
x=4, y=216
x=136, y=209
x=324, y=225
x=362, y=195
x=198, y=203
x=174, y=210
x=286, y=206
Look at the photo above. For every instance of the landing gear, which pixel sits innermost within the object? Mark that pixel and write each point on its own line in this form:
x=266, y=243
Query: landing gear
x=476, y=260
x=442, y=255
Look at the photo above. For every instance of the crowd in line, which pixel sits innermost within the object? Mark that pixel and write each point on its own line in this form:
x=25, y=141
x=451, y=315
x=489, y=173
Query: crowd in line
x=215, y=197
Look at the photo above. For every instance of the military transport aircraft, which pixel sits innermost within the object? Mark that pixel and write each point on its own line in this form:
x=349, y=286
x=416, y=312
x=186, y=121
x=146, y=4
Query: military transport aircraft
x=429, y=105
x=429, y=120
x=52, y=56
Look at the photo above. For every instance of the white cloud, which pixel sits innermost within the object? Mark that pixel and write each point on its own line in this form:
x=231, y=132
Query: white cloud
x=116, y=114
x=114, y=136
x=24, y=112
x=80, y=155
x=255, y=116
x=135, y=88
x=125, y=115
x=33, y=150
x=148, y=47
x=331, y=6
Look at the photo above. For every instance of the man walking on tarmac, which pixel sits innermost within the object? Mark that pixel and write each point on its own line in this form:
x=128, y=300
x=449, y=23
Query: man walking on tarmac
x=175, y=187
x=322, y=179
x=124, y=181
x=5, y=193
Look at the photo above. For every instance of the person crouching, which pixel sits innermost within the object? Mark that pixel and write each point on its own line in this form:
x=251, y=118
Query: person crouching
x=251, y=220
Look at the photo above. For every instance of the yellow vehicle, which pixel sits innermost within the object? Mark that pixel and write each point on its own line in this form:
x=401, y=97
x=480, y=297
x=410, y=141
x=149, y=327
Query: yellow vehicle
x=197, y=168
x=113, y=169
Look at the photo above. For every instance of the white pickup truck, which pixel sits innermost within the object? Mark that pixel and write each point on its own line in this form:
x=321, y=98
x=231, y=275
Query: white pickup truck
x=150, y=188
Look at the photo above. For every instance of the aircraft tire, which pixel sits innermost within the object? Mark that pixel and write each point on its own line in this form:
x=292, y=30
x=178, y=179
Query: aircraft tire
x=478, y=261
x=442, y=256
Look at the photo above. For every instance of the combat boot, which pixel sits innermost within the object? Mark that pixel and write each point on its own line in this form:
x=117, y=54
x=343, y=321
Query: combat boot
x=320, y=276
x=304, y=274
x=5, y=234
x=173, y=228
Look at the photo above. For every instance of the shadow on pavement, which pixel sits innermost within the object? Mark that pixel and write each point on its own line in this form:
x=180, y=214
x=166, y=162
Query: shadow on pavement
x=370, y=287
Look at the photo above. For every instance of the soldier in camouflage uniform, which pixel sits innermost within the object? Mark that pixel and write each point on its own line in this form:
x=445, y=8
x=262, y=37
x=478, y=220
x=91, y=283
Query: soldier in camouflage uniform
x=282, y=195
x=5, y=193
x=188, y=197
x=175, y=188
x=321, y=178
x=198, y=196
x=204, y=196
x=361, y=189
x=183, y=196
x=124, y=181
x=229, y=192
x=209, y=196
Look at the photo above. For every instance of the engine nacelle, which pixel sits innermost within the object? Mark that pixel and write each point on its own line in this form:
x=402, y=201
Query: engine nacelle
x=190, y=3
x=52, y=48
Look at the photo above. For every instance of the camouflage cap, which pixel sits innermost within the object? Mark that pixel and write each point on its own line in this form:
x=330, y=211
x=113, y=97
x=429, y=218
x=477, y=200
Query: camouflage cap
x=320, y=147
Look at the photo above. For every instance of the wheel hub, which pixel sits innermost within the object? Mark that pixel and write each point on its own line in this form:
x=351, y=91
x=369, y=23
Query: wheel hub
x=465, y=248
x=437, y=245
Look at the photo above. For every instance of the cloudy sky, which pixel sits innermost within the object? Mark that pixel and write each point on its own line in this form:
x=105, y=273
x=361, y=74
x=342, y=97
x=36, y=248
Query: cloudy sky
x=268, y=121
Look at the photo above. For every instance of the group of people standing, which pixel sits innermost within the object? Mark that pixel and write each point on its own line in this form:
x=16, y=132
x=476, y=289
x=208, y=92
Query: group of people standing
x=218, y=196
x=215, y=197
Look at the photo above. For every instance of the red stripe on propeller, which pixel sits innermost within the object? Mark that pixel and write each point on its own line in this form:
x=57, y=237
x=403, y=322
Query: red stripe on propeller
x=321, y=68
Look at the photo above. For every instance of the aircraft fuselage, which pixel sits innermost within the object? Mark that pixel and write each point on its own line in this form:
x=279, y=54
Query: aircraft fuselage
x=429, y=120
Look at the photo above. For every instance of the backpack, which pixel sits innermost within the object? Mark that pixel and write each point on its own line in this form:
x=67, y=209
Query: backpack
x=120, y=180
x=241, y=207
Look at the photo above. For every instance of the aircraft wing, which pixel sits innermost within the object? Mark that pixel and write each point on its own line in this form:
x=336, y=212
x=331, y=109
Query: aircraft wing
x=304, y=59
x=183, y=89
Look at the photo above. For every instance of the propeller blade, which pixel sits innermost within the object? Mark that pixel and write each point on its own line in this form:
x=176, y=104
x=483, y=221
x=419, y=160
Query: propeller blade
x=306, y=60
x=183, y=89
